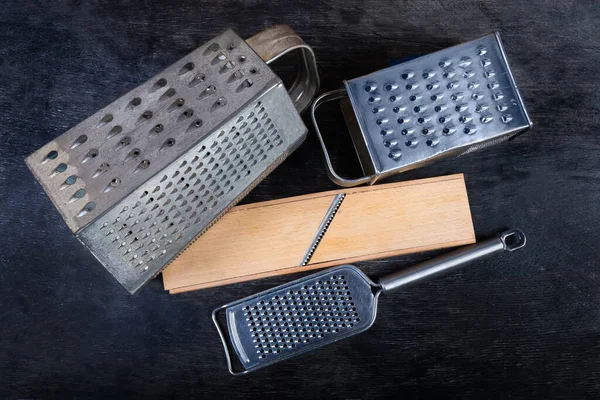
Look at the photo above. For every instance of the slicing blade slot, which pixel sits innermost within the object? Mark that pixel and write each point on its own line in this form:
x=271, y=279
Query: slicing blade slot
x=333, y=209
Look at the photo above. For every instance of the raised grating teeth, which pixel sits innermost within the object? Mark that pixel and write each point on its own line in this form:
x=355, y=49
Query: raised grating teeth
x=333, y=208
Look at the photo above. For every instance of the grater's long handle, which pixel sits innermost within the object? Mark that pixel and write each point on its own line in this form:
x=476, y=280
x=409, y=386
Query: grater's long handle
x=337, y=179
x=507, y=241
x=274, y=42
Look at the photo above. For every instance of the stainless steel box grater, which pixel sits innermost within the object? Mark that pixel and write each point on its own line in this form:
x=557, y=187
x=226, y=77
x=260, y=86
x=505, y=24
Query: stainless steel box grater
x=450, y=102
x=144, y=176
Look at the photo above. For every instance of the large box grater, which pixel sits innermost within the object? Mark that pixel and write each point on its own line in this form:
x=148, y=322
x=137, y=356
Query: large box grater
x=450, y=102
x=144, y=176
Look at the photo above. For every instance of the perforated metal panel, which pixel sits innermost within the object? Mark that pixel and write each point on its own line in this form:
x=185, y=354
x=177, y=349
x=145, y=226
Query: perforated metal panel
x=140, y=179
x=450, y=102
x=301, y=316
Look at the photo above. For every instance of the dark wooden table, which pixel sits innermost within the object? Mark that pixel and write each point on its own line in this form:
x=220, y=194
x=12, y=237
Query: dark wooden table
x=527, y=325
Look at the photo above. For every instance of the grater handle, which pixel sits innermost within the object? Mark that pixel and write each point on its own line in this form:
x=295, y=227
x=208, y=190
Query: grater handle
x=279, y=40
x=334, y=176
x=507, y=241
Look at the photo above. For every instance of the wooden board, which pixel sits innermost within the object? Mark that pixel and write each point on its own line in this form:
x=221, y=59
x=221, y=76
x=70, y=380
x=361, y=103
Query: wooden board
x=270, y=238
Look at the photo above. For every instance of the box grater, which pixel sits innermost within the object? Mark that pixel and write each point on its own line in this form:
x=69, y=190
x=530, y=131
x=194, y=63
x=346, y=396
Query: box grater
x=143, y=177
x=450, y=102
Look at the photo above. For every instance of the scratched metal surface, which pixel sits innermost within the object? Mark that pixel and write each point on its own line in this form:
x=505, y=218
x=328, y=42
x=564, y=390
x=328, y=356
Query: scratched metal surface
x=529, y=328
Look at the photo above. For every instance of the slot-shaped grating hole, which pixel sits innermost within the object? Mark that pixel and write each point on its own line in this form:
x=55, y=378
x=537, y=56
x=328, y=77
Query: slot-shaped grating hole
x=185, y=196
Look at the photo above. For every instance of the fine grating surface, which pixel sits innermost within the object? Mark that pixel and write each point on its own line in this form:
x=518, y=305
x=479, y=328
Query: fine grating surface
x=300, y=316
x=450, y=101
x=136, y=238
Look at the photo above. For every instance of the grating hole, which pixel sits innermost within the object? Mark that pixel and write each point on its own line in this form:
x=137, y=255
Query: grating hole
x=144, y=164
x=89, y=207
x=146, y=115
x=125, y=141
x=105, y=120
x=212, y=48
x=196, y=124
x=104, y=167
x=186, y=68
x=167, y=94
x=158, y=128
x=133, y=154
x=62, y=167
x=50, y=156
x=136, y=101
x=71, y=180
x=186, y=114
x=177, y=104
x=162, y=82
x=93, y=153
x=80, y=193
x=79, y=141
x=114, y=131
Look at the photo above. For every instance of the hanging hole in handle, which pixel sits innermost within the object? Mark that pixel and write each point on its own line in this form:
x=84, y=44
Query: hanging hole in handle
x=513, y=239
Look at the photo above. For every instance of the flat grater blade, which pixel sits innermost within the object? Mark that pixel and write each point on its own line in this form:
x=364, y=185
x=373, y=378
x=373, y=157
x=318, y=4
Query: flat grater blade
x=327, y=306
x=446, y=103
x=140, y=179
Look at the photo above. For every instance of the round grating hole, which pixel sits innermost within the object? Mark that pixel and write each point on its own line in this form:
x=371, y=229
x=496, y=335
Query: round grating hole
x=298, y=317
x=71, y=180
x=136, y=101
x=62, y=167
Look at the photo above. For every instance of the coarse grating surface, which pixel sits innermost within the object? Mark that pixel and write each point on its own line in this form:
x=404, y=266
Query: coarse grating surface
x=300, y=316
x=443, y=102
x=95, y=164
x=141, y=178
x=142, y=233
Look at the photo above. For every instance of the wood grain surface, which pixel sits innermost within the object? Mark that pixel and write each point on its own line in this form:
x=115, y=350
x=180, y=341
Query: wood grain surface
x=271, y=238
x=525, y=325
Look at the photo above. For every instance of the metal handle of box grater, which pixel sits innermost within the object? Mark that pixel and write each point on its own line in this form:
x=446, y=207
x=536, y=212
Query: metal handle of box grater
x=508, y=241
x=334, y=176
x=279, y=40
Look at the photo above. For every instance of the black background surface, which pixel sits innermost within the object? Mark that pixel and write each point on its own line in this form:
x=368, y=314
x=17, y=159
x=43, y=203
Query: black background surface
x=520, y=325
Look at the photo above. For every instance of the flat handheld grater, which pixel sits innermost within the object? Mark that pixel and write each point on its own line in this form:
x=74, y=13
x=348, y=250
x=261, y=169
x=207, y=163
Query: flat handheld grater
x=451, y=102
x=328, y=306
x=143, y=177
